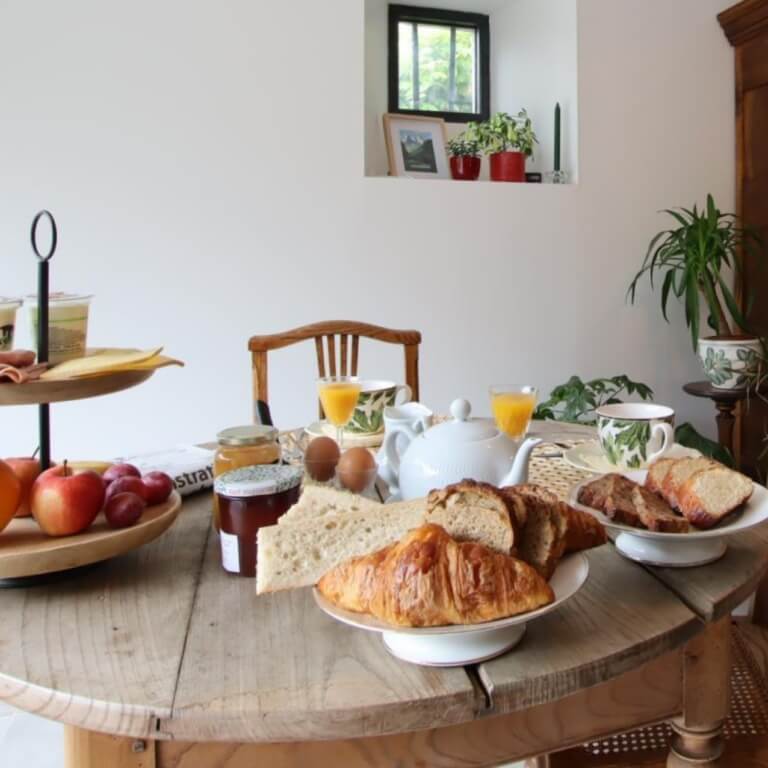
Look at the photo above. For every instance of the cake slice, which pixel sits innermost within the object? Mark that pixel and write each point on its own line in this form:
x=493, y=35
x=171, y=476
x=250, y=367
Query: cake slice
x=596, y=493
x=710, y=494
x=677, y=475
x=655, y=514
x=657, y=472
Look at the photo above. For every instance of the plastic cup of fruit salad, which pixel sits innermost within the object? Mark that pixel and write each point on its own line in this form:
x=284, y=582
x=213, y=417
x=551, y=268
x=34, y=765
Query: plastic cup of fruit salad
x=8, y=309
x=67, y=325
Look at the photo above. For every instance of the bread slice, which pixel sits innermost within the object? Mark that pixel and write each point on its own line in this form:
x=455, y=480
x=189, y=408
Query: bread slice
x=597, y=493
x=710, y=494
x=297, y=553
x=473, y=511
x=655, y=514
x=657, y=472
x=319, y=500
x=579, y=529
x=678, y=473
x=542, y=542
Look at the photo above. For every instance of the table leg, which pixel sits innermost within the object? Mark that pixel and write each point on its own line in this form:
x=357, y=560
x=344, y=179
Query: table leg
x=88, y=749
x=725, y=422
x=698, y=739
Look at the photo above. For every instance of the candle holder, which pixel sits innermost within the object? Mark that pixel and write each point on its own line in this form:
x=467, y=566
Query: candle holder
x=556, y=177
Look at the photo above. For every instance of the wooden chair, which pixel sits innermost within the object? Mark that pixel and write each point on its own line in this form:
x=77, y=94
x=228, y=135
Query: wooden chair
x=349, y=335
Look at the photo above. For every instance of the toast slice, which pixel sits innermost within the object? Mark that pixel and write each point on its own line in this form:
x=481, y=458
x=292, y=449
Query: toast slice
x=473, y=511
x=710, y=494
x=657, y=472
x=677, y=475
x=597, y=493
x=655, y=514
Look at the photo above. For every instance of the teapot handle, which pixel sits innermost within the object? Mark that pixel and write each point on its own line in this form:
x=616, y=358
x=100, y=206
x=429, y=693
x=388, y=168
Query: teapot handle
x=393, y=454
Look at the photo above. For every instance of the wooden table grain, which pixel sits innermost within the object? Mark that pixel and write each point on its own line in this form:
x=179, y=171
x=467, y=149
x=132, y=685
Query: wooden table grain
x=159, y=659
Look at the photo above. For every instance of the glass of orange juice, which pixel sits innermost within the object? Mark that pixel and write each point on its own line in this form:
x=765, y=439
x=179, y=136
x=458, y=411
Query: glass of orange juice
x=513, y=409
x=338, y=396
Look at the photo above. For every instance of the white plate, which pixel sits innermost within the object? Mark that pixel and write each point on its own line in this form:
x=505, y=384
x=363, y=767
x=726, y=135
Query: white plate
x=680, y=550
x=456, y=645
x=351, y=440
x=589, y=456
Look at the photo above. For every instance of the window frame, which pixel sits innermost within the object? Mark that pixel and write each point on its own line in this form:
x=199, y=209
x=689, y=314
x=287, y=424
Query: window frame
x=420, y=15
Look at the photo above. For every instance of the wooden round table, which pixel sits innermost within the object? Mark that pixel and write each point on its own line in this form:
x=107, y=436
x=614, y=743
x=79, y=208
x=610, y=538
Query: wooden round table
x=159, y=659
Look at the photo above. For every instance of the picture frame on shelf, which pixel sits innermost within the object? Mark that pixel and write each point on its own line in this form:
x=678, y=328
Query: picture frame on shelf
x=416, y=146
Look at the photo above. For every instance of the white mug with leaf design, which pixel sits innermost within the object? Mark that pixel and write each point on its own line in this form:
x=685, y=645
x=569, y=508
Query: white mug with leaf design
x=375, y=396
x=633, y=435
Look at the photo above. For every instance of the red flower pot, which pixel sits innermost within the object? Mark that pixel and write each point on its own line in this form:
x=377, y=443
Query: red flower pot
x=508, y=166
x=465, y=168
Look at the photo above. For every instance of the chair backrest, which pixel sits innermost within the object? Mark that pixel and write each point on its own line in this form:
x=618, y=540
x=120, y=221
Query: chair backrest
x=328, y=362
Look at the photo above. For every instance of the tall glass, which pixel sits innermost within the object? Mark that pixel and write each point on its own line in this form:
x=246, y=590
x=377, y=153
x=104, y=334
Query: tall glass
x=338, y=396
x=513, y=409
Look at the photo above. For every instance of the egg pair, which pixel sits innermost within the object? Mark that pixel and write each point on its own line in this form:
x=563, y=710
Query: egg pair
x=355, y=468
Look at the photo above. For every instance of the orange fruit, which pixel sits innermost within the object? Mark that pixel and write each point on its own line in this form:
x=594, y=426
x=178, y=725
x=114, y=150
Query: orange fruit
x=10, y=494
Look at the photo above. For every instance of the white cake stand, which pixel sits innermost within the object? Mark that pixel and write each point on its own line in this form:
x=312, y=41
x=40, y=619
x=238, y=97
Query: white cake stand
x=455, y=646
x=680, y=550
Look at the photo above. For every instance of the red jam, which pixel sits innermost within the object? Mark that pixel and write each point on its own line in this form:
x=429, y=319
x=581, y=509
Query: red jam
x=251, y=498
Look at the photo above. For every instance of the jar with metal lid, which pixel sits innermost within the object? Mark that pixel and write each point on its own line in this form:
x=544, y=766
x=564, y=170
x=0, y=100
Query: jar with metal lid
x=251, y=498
x=249, y=446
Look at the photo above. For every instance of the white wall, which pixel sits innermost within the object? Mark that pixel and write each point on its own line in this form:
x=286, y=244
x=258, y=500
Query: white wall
x=204, y=161
x=534, y=57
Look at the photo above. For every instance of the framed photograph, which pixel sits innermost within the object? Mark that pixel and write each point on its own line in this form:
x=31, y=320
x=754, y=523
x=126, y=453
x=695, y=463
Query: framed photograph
x=416, y=146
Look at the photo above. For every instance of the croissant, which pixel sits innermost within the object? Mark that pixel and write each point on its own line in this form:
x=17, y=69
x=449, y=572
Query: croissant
x=428, y=580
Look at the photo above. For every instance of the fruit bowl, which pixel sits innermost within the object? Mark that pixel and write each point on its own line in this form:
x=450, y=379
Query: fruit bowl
x=26, y=551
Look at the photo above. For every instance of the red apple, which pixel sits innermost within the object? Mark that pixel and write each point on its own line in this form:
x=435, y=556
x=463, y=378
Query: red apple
x=126, y=484
x=124, y=510
x=26, y=469
x=158, y=487
x=64, y=503
x=120, y=470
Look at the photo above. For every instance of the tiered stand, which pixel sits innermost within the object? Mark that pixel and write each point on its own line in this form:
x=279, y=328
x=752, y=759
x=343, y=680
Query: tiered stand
x=25, y=551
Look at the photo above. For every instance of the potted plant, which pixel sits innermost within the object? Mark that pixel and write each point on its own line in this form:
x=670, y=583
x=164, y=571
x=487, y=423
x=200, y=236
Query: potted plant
x=696, y=258
x=465, y=160
x=508, y=140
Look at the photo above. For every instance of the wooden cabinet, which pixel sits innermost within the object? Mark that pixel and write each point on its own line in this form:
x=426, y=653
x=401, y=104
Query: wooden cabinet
x=746, y=26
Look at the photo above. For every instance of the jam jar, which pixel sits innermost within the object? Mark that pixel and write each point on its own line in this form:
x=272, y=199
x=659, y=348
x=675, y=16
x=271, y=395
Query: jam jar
x=243, y=447
x=250, y=498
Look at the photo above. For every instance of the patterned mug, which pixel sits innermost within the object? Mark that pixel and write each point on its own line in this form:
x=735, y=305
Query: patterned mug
x=632, y=435
x=375, y=396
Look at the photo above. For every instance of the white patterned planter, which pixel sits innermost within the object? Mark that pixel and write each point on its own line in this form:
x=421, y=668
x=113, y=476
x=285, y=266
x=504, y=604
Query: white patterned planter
x=728, y=363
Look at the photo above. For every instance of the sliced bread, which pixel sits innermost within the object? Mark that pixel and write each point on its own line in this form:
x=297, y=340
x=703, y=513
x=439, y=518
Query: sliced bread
x=319, y=500
x=657, y=472
x=655, y=514
x=580, y=529
x=678, y=473
x=473, y=511
x=707, y=496
x=595, y=493
x=296, y=554
x=542, y=542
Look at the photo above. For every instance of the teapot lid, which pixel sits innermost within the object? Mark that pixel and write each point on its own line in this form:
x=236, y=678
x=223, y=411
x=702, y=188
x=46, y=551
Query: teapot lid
x=462, y=429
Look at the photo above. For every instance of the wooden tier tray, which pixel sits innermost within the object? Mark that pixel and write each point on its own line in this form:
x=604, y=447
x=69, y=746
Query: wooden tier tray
x=35, y=392
x=26, y=551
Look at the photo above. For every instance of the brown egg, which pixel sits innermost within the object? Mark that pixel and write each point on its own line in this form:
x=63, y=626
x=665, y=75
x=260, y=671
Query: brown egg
x=356, y=469
x=321, y=458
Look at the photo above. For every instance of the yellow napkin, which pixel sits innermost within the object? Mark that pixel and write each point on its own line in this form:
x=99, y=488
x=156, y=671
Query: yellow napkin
x=99, y=362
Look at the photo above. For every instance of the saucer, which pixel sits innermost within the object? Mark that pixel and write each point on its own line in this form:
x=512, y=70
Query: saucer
x=351, y=439
x=589, y=457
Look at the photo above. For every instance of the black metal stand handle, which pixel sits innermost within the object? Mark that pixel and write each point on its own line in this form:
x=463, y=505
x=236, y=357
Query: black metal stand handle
x=42, y=326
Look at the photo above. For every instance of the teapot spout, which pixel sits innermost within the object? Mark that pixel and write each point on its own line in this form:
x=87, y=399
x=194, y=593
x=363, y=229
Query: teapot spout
x=519, y=472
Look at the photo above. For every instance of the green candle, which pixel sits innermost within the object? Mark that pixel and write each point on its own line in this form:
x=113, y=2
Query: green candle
x=557, y=136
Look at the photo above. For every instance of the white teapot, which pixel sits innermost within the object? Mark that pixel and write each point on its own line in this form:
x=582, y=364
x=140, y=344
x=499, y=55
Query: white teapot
x=455, y=450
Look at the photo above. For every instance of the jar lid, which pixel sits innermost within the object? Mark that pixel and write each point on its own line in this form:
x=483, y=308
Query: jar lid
x=253, y=434
x=60, y=298
x=259, y=480
x=8, y=301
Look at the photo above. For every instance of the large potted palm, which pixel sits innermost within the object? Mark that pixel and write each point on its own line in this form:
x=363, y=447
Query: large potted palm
x=697, y=258
x=508, y=140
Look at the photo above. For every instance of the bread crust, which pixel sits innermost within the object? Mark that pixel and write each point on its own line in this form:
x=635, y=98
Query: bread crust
x=703, y=513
